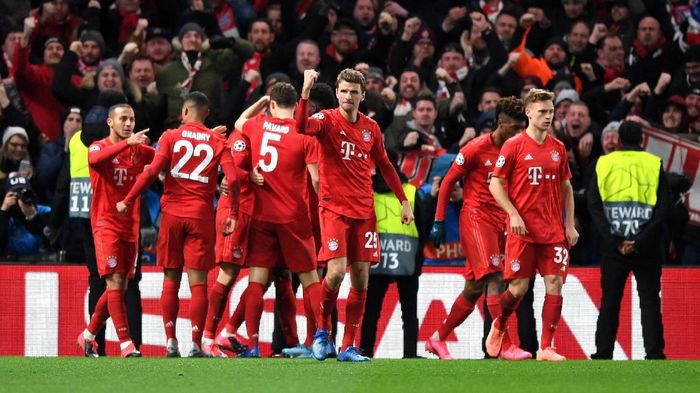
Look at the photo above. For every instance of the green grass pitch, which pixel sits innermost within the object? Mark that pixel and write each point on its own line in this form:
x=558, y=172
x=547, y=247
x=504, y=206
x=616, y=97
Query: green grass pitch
x=285, y=375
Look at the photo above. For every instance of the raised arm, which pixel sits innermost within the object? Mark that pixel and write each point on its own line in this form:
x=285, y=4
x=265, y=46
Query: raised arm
x=97, y=156
x=252, y=111
x=305, y=124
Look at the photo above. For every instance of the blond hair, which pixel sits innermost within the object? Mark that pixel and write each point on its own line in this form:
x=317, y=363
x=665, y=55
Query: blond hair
x=538, y=95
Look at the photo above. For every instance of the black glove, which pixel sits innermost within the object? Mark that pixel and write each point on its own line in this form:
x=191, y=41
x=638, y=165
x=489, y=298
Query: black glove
x=437, y=233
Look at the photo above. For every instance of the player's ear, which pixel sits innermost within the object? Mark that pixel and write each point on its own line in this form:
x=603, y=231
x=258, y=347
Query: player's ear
x=110, y=122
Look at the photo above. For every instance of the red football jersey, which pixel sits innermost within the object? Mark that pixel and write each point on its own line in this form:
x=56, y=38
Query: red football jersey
x=193, y=152
x=113, y=170
x=347, y=155
x=475, y=164
x=534, y=173
x=281, y=155
x=238, y=146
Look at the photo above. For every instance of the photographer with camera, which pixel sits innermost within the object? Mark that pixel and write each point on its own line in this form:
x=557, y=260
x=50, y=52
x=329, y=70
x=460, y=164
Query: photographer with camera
x=21, y=219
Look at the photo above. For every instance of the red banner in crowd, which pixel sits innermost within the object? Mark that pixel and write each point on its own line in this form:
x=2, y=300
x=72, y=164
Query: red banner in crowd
x=679, y=155
x=44, y=308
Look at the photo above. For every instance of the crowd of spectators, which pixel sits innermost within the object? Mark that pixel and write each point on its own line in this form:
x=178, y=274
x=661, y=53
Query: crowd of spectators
x=435, y=70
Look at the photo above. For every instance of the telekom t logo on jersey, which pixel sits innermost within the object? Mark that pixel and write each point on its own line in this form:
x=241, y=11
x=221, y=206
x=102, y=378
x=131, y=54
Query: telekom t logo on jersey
x=347, y=149
x=119, y=175
x=534, y=173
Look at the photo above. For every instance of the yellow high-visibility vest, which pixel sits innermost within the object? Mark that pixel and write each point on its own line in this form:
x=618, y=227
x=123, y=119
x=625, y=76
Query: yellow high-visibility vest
x=628, y=181
x=398, y=242
x=80, y=188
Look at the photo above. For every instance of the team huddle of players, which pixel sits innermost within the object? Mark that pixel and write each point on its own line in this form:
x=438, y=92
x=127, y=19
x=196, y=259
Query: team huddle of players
x=264, y=223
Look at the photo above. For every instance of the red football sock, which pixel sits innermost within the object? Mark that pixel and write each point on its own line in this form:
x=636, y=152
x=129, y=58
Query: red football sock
x=170, y=304
x=198, y=311
x=354, y=310
x=509, y=303
x=460, y=310
x=237, y=317
x=493, y=302
x=100, y=315
x=253, y=310
x=217, y=303
x=330, y=296
x=287, y=308
x=309, y=312
x=551, y=313
x=117, y=310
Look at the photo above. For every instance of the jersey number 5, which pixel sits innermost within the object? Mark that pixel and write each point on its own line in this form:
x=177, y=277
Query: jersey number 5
x=266, y=149
x=196, y=151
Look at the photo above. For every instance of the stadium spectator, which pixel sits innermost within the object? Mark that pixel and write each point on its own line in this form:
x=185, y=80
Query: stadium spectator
x=34, y=81
x=10, y=40
x=157, y=46
x=54, y=19
x=198, y=69
x=22, y=220
x=92, y=51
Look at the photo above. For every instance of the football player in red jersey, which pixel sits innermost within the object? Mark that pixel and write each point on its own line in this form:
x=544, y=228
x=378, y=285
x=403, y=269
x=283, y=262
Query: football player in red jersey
x=482, y=226
x=281, y=228
x=350, y=145
x=115, y=162
x=186, y=237
x=534, y=165
x=231, y=251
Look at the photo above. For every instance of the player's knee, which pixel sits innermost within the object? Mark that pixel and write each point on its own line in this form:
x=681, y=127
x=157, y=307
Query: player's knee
x=553, y=285
x=334, y=277
x=472, y=290
x=518, y=288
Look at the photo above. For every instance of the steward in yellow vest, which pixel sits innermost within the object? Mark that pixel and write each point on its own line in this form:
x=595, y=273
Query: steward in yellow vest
x=628, y=199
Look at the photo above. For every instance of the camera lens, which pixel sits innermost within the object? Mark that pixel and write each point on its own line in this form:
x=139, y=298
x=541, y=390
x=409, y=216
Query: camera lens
x=26, y=195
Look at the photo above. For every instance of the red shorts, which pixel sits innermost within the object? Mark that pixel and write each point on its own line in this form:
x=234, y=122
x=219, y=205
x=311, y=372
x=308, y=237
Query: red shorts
x=114, y=255
x=234, y=247
x=522, y=258
x=292, y=243
x=186, y=242
x=482, y=243
x=341, y=236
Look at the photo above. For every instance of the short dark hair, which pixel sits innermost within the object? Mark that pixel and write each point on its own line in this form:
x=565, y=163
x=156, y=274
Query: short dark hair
x=630, y=133
x=284, y=95
x=512, y=107
x=114, y=107
x=262, y=20
x=198, y=99
x=323, y=96
x=426, y=97
x=140, y=58
x=352, y=76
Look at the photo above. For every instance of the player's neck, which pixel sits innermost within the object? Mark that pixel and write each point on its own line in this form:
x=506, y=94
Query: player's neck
x=349, y=116
x=115, y=138
x=497, y=138
x=284, y=114
x=536, y=134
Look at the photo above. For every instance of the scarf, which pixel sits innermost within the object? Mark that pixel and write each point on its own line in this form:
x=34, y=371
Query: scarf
x=84, y=68
x=192, y=71
x=611, y=71
x=227, y=20
x=643, y=52
x=253, y=64
x=129, y=21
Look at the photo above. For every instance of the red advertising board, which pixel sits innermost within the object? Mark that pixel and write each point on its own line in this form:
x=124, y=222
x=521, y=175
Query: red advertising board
x=44, y=308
